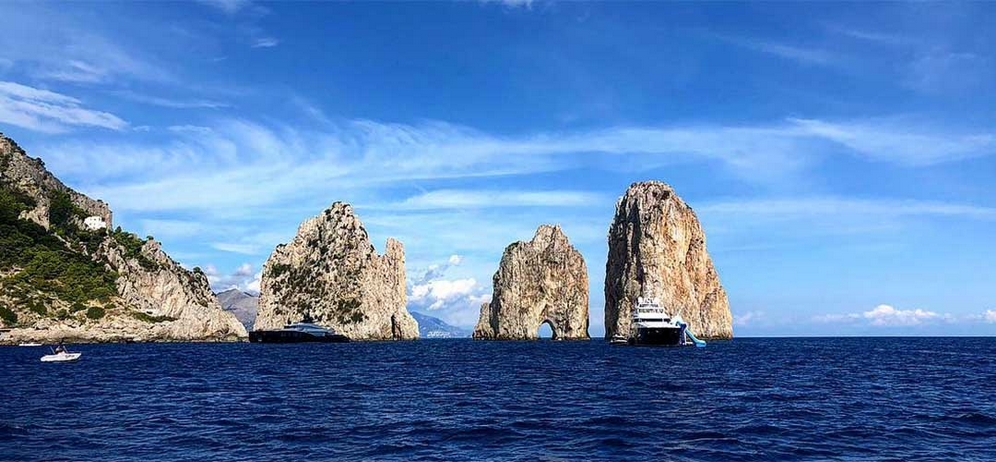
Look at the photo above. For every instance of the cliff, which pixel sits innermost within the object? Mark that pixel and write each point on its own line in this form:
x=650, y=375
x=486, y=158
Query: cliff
x=657, y=248
x=64, y=274
x=541, y=281
x=330, y=274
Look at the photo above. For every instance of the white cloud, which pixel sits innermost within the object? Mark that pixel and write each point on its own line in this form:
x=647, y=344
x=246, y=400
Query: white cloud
x=441, y=291
x=455, y=300
x=50, y=112
x=744, y=319
x=886, y=315
x=243, y=278
x=265, y=42
x=990, y=316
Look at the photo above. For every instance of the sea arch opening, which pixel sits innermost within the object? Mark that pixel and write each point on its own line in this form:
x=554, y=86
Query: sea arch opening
x=546, y=330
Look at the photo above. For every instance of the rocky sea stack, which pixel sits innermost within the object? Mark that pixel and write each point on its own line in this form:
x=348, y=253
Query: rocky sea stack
x=65, y=273
x=541, y=281
x=330, y=274
x=657, y=249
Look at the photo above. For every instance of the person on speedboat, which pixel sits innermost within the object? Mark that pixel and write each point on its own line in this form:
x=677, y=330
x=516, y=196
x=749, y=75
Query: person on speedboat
x=60, y=348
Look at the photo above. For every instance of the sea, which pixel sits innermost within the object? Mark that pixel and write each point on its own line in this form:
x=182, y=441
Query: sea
x=900, y=399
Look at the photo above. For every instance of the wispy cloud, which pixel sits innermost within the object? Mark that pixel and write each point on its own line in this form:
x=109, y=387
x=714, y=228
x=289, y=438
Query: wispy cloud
x=265, y=42
x=285, y=162
x=229, y=7
x=943, y=70
x=50, y=45
x=836, y=207
x=874, y=36
x=746, y=318
x=178, y=103
x=455, y=199
x=50, y=112
x=793, y=52
x=906, y=142
x=526, y=4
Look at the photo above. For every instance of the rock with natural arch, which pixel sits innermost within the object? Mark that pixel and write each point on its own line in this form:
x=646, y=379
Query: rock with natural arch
x=541, y=281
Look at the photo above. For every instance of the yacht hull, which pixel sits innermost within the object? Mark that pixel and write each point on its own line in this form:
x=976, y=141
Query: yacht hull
x=663, y=336
x=288, y=336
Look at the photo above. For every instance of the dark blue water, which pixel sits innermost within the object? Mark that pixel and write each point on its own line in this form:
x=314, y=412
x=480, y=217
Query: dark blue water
x=749, y=399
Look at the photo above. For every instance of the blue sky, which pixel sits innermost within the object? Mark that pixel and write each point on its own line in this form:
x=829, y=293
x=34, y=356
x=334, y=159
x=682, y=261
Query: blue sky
x=840, y=157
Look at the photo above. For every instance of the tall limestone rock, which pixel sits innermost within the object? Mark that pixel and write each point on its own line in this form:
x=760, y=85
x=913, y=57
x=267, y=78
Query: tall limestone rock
x=64, y=274
x=330, y=274
x=541, y=281
x=657, y=249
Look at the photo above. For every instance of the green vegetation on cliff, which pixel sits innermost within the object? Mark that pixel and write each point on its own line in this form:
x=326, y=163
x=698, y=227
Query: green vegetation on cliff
x=39, y=265
x=132, y=246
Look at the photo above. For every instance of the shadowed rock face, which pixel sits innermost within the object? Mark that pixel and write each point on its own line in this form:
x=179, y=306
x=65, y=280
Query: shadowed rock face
x=657, y=249
x=330, y=274
x=543, y=280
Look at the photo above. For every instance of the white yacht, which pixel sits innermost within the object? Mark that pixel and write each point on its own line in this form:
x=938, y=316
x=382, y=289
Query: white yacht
x=653, y=326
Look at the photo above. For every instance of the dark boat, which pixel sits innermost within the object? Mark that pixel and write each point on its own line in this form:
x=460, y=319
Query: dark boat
x=298, y=333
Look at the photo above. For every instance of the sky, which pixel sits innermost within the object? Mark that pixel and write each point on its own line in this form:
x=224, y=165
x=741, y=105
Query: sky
x=840, y=156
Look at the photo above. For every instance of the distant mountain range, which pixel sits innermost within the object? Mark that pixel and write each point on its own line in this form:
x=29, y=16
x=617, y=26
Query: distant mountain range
x=430, y=327
x=241, y=304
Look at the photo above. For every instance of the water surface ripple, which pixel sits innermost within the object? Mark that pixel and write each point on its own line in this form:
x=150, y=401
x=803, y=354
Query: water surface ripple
x=749, y=399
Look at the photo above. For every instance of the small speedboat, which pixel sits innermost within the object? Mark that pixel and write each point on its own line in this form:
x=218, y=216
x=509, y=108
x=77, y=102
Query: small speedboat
x=61, y=355
x=618, y=340
x=29, y=344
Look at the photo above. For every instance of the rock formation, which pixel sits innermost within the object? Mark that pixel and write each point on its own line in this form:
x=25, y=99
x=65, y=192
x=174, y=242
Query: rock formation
x=62, y=278
x=541, y=281
x=330, y=274
x=657, y=248
x=242, y=304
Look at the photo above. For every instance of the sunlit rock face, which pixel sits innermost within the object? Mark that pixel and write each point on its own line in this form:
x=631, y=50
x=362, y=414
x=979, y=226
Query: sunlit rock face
x=657, y=248
x=541, y=281
x=331, y=274
x=145, y=295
